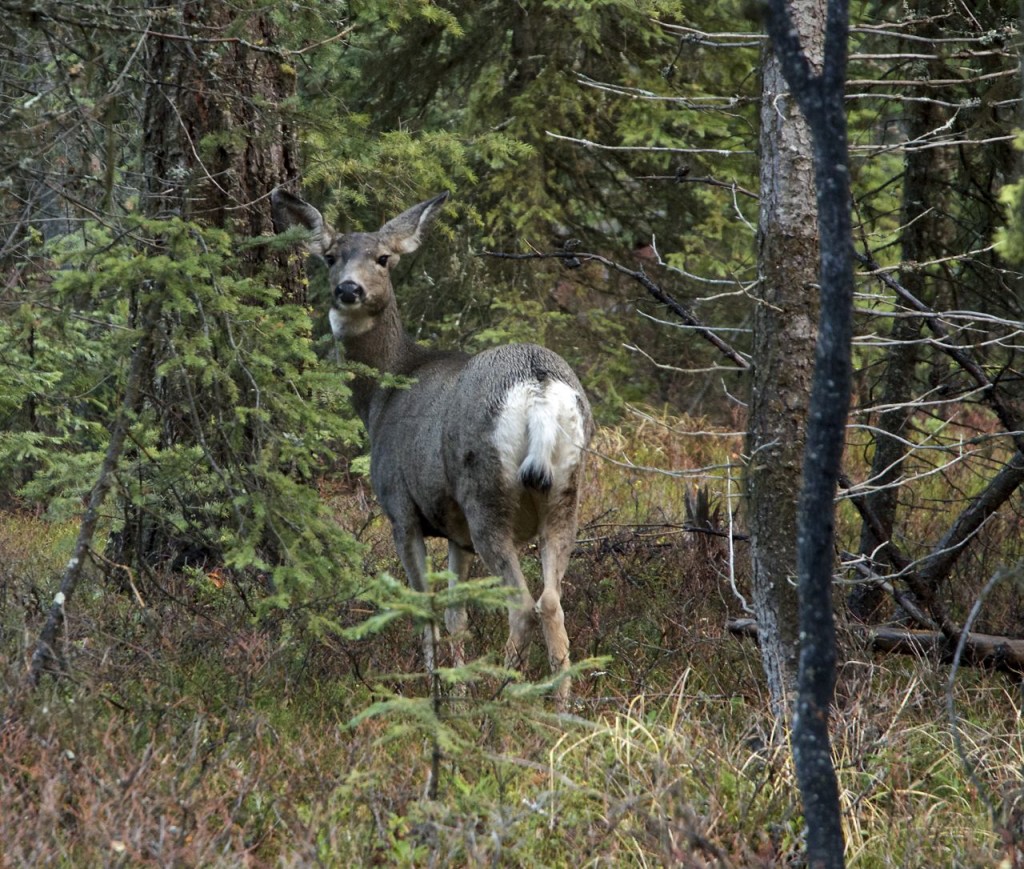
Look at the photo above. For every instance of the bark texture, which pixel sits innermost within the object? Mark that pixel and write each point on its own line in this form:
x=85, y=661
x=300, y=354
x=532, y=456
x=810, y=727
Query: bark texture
x=800, y=35
x=216, y=142
x=217, y=139
x=785, y=331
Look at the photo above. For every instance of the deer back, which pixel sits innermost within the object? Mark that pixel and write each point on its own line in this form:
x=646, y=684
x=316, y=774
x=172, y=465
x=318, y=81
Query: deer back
x=462, y=436
x=464, y=429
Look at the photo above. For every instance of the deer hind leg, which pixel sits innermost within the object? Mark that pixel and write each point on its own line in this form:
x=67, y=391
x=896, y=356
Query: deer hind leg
x=557, y=537
x=501, y=558
x=460, y=561
x=412, y=552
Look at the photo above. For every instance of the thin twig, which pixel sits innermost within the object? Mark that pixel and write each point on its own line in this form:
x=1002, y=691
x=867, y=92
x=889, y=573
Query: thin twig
x=648, y=284
x=954, y=720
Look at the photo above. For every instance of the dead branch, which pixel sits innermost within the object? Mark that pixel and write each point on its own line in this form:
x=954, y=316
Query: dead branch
x=652, y=288
x=959, y=354
x=1005, y=654
x=937, y=565
x=45, y=656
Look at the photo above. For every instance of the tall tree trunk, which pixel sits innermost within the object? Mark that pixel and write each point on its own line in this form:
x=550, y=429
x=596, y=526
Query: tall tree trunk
x=926, y=172
x=812, y=53
x=245, y=145
x=215, y=144
x=215, y=133
x=784, y=338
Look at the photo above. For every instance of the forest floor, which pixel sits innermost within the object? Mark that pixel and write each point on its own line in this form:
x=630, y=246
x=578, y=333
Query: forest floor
x=186, y=732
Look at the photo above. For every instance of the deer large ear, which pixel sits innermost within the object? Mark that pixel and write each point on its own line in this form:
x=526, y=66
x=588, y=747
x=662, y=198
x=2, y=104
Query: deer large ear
x=404, y=233
x=289, y=210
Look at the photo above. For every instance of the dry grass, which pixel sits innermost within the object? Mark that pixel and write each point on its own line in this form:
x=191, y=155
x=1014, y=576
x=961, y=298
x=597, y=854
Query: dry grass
x=188, y=734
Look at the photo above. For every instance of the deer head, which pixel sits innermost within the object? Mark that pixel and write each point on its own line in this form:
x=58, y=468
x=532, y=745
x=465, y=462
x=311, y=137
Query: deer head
x=360, y=263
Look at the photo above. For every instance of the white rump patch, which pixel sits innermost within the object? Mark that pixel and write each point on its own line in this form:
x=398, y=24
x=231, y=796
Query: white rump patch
x=539, y=433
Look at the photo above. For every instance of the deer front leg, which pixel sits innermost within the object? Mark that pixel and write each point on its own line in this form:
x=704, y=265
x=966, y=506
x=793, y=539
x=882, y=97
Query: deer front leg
x=460, y=561
x=413, y=553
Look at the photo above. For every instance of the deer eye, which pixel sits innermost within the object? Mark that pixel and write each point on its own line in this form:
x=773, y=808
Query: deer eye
x=330, y=259
x=382, y=260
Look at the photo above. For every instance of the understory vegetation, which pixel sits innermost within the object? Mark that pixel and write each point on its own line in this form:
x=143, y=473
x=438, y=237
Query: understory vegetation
x=234, y=673
x=195, y=728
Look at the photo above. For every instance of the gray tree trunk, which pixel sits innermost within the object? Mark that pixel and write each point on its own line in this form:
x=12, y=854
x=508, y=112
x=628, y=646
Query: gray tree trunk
x=215, y=143
x=785, y=332
x=812, y=53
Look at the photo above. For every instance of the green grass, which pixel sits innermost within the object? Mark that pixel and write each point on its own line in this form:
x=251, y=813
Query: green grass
x=185, y=733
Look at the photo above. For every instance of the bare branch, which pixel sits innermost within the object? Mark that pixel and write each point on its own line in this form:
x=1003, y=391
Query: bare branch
x=961, y=355
x=651, y=149
x=44, y=656
x=652, y=288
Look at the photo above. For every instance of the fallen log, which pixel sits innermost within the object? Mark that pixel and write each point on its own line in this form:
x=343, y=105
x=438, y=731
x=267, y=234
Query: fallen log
x=980, y=650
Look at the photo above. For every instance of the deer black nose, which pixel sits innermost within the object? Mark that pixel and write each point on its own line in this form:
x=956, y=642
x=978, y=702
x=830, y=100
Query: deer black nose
x=349, y=292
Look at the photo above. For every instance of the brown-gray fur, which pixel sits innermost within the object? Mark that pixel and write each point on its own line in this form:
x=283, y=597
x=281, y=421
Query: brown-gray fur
x=486, y=450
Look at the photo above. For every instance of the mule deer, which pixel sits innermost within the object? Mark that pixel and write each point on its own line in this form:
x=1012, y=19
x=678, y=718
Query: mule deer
x=486, y=450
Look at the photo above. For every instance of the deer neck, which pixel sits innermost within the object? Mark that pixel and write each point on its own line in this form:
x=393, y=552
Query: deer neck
x=385, y=347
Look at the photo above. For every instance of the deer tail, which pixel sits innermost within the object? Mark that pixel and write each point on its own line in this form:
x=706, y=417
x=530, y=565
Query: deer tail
x=554, y=432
